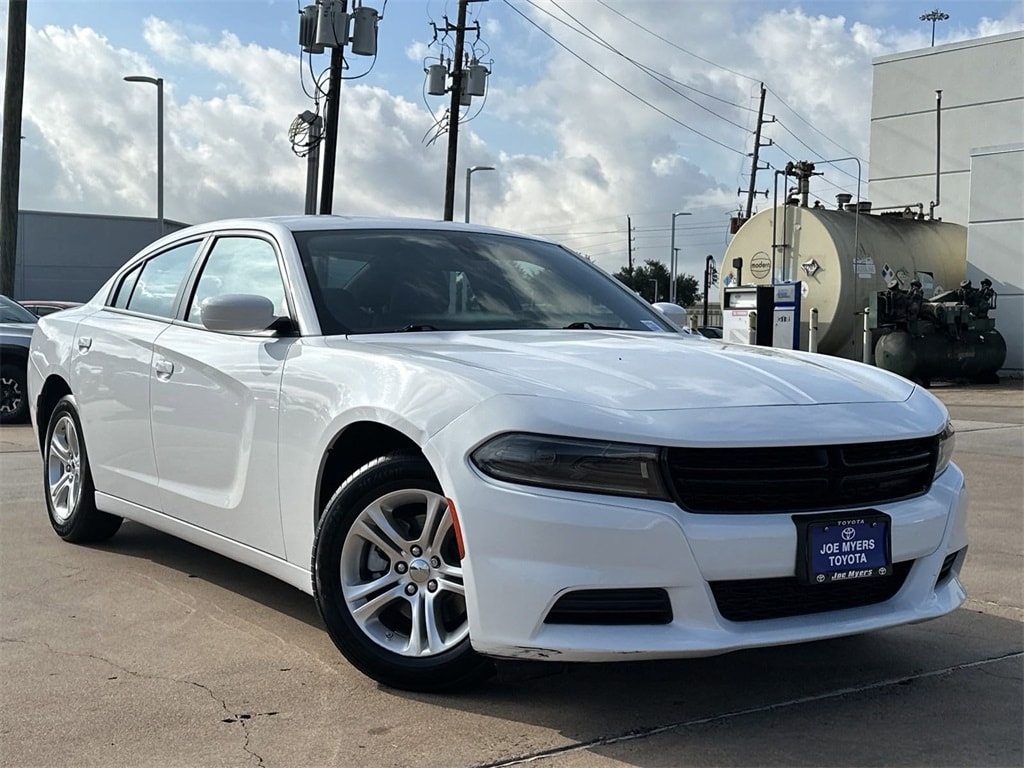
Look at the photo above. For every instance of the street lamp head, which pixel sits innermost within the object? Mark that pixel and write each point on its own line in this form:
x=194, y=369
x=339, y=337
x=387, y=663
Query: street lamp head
x=157, y=81
x=681, y=213
x=482, y=168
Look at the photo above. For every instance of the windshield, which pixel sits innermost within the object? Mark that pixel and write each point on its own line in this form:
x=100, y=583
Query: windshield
x=378, y=281
x=12, y=312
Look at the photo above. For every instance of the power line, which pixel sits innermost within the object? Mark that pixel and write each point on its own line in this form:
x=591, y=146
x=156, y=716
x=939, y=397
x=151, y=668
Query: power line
x=815, y=154
x=677, y=47
x=810, y=125
x=732, y=71
x=659, y=77
x=639, y=98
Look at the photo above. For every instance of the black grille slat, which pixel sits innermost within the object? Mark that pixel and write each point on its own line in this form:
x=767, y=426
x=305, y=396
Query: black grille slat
x=612, y=607
x=760, y=599
x=800, y=478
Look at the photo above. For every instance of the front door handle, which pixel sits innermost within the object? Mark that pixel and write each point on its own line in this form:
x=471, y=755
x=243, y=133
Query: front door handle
x=164, y=369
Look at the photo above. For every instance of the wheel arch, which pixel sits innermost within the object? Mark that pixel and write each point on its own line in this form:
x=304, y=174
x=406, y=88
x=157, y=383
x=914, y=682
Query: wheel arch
x=53, y=389
x=358, y=443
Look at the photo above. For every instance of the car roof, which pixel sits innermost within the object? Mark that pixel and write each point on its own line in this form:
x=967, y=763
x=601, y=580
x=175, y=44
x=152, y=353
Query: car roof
x=306, y=223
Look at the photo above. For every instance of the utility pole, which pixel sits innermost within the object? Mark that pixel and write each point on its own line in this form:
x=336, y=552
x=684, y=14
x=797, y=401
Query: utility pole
x=453, y=113
x=757, y=149
x=331, y=126
x=629, y=244
x=10, y=164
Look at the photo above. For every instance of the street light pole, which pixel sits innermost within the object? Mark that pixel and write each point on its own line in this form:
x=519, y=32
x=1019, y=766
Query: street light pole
x=469, y=183
x=159, y=83
x=672, y=259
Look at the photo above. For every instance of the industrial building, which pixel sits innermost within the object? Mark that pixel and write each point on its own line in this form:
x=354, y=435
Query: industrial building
x=945, y=204
x=977, y=177
x=68, y=256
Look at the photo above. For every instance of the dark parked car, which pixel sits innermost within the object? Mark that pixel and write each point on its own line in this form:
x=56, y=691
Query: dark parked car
x=16, y=326
x=710, y=331
x=42, y=308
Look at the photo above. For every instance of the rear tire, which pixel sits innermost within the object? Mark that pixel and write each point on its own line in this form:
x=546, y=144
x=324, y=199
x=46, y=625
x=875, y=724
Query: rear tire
x=67, y=480
x=13, y=394
x=387, y=579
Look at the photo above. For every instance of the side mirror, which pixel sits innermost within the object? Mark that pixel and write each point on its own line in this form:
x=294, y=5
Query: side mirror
x=673, y=312
x=238, y=313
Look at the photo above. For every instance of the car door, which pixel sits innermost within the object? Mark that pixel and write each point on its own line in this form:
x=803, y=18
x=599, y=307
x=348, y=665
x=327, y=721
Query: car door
x=215, y=403
x=111, y=359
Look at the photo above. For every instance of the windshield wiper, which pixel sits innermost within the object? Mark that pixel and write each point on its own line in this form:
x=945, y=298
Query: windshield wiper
x=415, y=327
x=589, y=326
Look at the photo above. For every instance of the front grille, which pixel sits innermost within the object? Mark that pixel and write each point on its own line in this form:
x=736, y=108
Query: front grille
x=757, y=599
x=800, y=478
x=612, y=606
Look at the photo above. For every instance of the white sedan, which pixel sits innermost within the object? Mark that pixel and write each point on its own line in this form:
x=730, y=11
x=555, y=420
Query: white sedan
x=467, y=443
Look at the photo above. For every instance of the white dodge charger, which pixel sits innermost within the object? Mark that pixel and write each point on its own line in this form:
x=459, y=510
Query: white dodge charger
x=467, y=443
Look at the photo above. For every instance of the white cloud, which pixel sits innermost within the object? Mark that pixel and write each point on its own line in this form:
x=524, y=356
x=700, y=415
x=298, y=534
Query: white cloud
x=571, y=147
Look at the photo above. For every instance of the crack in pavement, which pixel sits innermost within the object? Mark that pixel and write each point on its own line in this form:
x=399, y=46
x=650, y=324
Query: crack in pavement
x=643, y=732
x=993, y=604
x=232, y=718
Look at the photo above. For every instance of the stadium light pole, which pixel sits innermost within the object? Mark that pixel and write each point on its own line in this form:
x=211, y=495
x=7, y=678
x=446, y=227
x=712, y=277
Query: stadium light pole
x=159, y=83
x=469, y=182
x=934, y=16
x=672, y=259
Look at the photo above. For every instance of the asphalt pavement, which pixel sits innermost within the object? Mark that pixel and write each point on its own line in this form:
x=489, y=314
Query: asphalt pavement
x=148, y=651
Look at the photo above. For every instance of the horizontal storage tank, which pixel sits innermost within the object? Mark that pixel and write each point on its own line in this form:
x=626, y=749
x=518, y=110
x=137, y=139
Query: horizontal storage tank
x=841, y=257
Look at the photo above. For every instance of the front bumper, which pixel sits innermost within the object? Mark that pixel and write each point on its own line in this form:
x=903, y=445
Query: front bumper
x=527, y=547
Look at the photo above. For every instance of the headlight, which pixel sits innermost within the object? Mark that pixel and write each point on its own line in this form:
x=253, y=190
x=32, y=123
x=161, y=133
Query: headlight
x=592, y=466
x=947, y=442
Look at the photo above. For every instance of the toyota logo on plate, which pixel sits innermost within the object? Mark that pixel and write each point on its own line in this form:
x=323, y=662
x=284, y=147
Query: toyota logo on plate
x=849, y=534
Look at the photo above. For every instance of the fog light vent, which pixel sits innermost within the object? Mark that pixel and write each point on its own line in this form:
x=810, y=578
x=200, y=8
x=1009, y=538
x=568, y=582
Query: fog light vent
x=612, y=606
x=947, y=566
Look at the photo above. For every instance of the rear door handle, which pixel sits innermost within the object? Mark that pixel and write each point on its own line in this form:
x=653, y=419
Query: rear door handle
x=84, y=342
x=164, y=369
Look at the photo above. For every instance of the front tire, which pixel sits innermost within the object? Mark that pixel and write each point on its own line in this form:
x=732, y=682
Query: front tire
x=70, y=496
x=388, y=582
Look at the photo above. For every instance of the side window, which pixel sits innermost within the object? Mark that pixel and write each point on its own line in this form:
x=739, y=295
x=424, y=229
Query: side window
x=124, y=290
x=160, y=279
x=239, y=265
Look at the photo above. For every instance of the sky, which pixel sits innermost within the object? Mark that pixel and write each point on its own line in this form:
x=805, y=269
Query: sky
x=596, y=110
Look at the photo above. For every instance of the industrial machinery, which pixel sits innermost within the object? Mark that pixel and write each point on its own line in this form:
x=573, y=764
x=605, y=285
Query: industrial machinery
x=842, y=257
x=950, y=336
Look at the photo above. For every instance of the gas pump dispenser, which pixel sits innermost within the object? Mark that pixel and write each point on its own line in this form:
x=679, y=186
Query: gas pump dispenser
x=776, y=311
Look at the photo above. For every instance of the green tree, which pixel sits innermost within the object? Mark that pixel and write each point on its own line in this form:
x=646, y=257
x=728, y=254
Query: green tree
x=651, y=280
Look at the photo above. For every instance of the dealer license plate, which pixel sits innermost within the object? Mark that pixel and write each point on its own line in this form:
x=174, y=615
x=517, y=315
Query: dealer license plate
x=843, y=548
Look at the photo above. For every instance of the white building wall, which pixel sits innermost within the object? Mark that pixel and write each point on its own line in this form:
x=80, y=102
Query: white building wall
x=995, y=240
x=982, y=84
x=981, y=184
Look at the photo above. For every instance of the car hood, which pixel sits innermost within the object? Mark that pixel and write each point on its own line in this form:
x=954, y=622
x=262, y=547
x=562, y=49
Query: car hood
x=644, y=371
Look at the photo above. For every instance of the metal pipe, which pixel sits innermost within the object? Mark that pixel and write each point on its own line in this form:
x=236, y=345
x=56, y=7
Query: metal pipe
x=902, y=206
x=812, y=331
x=867, y=336
x=938, y=154
x=856, y=220
x=775, y=214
